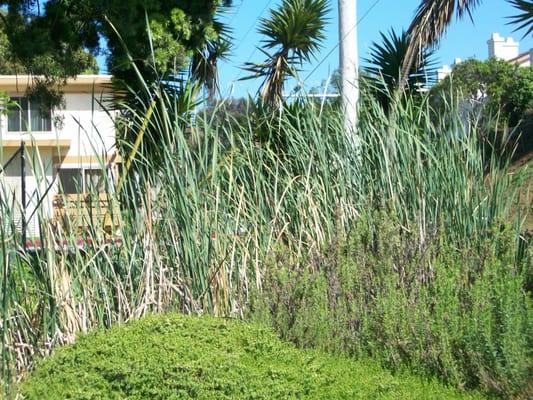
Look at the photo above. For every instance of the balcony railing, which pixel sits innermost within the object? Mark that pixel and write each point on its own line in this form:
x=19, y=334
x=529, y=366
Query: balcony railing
x=79, y=213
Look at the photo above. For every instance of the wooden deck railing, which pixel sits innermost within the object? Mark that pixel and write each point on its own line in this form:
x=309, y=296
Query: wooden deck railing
x=80, y=212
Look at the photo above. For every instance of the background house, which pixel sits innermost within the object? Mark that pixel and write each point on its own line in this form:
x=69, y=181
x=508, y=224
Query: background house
x=506, y=49
x=68, y=150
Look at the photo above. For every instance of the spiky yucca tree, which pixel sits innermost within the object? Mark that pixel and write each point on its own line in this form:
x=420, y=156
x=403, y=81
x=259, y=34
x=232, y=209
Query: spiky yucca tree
x=384, y=65
x=294, y=33
x=204, y=62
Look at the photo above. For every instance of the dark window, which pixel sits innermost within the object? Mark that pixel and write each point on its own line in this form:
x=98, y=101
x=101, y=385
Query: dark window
x=70, y=180
x=81, y=180
x=24, y=116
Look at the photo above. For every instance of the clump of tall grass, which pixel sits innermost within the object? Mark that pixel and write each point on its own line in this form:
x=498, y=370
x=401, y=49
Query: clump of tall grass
x=205, y=204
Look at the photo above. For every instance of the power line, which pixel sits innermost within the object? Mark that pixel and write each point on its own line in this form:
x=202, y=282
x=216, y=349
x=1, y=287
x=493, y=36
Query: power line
x=340, y=40
x=253, y=25
x=236, y=12
x=241, y=41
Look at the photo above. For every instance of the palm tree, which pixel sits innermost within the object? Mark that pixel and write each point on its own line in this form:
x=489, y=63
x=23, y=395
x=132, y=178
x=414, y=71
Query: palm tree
x=524, y=19
x=294, y=33
x=204, y=62
x=384, y=65
x=434, y=16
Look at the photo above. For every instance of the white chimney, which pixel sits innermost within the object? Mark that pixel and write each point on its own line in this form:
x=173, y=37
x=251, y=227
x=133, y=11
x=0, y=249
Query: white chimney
x=501, y=48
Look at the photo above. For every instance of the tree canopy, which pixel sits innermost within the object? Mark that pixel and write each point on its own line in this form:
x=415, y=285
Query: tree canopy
x=59, y=38
x=499, y=86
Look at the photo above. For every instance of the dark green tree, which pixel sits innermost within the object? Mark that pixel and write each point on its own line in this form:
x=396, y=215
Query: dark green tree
x=57, y=38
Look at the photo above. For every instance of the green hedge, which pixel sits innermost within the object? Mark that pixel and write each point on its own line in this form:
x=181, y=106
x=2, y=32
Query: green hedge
x=178, y=357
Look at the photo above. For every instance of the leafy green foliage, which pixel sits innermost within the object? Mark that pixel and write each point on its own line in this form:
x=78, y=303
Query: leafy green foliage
x=500, y=86
x=177, y=357
x=200, y=215
x=294, y=31
x=54, y=38
x=461, y=313
x=8, y=64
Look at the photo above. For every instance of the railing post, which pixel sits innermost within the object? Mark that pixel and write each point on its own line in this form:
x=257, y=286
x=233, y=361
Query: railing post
x=23, y=192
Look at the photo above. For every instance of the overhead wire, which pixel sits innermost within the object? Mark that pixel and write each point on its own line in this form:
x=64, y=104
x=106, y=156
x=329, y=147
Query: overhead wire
x=244, y=38
x=361, y=19
x=253, y=24
x=330, y=52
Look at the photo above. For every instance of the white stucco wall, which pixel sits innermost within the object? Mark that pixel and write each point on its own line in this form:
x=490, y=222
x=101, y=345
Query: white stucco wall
x=87, y=125
x=86, y=134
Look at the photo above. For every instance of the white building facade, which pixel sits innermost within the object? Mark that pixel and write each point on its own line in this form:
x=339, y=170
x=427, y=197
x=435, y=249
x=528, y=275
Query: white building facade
x=69, y=150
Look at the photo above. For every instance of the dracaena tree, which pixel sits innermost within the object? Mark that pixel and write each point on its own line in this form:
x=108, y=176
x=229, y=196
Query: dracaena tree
x=204, y=62
x=384, y=64
x=293, y=34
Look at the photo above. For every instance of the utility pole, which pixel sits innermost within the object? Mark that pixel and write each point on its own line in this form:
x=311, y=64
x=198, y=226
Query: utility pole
x=349, y=62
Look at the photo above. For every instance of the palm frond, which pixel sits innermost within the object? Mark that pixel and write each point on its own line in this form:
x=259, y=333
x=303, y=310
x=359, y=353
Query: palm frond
x=297, y=25
x=386, y=59
x=294, y=32
x=385, y=62
x=524, y=19
x=204, y=62
x=429, y=25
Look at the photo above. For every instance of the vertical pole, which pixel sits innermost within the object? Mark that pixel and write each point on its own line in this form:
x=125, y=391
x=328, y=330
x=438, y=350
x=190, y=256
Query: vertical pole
x=23, y=192
x=349, y=62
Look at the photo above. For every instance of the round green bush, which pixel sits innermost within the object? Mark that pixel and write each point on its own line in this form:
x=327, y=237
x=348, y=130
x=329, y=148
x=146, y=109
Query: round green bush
x=179, y=357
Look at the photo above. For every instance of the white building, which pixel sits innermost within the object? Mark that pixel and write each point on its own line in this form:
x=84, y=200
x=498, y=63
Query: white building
x=68, y=151
x=523, y=59
x=499, y=47
x=446, y=70
x=502, y=48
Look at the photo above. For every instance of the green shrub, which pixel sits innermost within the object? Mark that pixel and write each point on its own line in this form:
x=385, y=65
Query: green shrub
x=177, y=357
x=463, y=314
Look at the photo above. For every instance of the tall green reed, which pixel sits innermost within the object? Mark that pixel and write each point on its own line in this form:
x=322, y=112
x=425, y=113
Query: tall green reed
x=205, y=203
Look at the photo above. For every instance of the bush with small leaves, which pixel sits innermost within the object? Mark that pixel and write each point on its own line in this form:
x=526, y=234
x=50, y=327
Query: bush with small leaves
x=177, y=357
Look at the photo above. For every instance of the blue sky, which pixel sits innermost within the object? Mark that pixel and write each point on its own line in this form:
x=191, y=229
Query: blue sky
x=464, y=39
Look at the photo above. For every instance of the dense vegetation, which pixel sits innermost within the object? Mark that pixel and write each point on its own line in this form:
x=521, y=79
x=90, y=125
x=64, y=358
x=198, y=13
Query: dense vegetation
x=201, y=221
x=176, y=357
x=402, y=243
x=492, y=86
x=459, y=312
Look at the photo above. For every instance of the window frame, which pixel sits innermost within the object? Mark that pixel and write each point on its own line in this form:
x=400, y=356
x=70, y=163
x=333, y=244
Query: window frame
x=83, y=173
x=45, y=121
